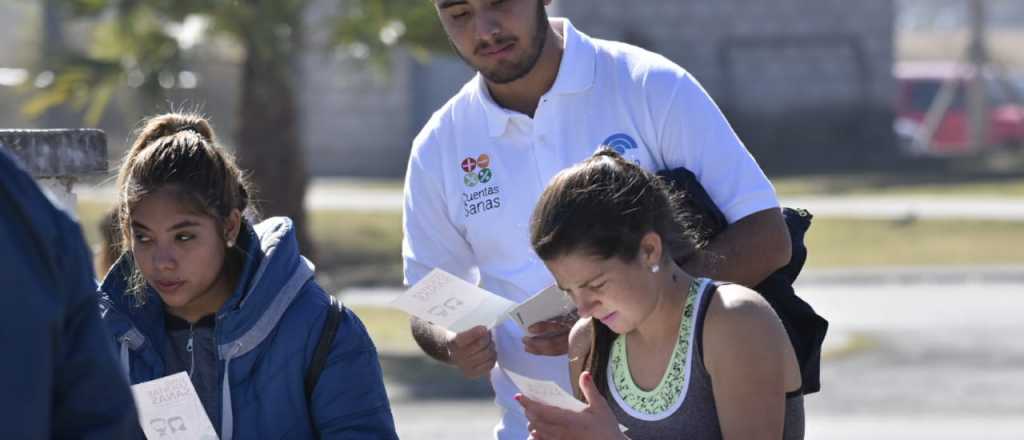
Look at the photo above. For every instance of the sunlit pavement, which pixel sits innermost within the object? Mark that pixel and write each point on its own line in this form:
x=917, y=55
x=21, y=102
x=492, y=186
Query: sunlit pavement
x=445, y=419
x=920, y=361
x=904, y=360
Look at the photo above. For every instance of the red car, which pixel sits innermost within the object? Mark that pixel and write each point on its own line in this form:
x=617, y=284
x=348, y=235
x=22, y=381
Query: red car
x=920, y=83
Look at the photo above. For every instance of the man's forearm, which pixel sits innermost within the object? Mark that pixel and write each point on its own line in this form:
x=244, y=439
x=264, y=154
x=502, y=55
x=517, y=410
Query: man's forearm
x=746, y=252
x=431, y=339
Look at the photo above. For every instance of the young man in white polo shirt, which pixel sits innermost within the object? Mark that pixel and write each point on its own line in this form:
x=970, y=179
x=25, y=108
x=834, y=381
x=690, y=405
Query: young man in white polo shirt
x=545, y=97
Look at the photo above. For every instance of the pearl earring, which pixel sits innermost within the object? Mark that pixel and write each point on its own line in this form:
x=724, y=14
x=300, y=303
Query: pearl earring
x=655, y=269
x=231, y=243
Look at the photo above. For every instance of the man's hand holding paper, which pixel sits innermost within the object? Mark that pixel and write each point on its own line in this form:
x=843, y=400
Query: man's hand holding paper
x=547, y=317
x=450, y=302
x=467, y=312
x=551, y=337
x=472, y=351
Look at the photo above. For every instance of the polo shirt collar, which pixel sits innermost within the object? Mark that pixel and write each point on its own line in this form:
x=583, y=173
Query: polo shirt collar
x=575, y=74
x=579, y=61
x=497, y=116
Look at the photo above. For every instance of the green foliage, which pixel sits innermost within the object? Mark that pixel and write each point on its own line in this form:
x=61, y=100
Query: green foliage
x=130, y=43
x=379, y=25
x=84, y=84
x=134, y=43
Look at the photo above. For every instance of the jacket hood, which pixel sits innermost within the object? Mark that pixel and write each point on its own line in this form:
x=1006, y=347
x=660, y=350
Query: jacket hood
x=272, y=276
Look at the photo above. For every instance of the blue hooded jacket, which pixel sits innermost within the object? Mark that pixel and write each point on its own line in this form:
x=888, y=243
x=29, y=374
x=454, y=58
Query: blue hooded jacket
x=60, y=378
x=265, y=335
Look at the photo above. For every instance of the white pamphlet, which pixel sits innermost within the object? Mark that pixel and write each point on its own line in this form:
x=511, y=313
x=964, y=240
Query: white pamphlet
x=169, y=409
x=548, y=304
x=546, y=392
x=450, y=302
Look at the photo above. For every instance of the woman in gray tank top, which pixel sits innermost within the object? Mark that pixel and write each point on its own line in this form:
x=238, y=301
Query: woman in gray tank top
x=659, y=354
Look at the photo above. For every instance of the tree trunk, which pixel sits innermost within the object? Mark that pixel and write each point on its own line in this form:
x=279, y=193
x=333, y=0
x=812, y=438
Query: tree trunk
x=54, y=50
x=269, y=143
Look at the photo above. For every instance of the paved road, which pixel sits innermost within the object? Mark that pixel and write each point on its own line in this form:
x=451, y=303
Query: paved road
x=445, y=419
x=905, y=360
x=912, y=353
x=347, y=194
x=474, y=419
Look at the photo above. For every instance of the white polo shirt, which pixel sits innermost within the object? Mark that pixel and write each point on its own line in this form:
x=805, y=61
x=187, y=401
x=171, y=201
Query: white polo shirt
x=476, y=171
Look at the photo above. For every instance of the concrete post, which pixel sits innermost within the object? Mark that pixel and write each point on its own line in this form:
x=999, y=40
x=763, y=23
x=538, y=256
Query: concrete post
x=977, y=101
x=58, y=158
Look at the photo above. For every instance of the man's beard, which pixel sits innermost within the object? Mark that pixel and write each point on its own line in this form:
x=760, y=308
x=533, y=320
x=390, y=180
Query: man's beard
x=504, y=74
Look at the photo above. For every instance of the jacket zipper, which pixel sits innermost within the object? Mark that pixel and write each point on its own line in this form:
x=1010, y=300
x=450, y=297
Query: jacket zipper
x=188, y=348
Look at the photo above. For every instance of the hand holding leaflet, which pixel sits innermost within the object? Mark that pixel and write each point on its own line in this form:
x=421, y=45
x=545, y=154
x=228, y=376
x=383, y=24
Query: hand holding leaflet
x=546, y=392
x=547, y=304
x=549, y=393
x=452, y=303
x=170, y=409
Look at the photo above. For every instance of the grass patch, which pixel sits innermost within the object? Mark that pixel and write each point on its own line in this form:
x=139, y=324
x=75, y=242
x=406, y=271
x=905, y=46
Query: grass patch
x=971, y=181
x=353, y=248
x=868, y=184
x=358, y=248
x=359, y=184
x=389, y=328
x=844, y=242
x=364, y=248
x=851, y=344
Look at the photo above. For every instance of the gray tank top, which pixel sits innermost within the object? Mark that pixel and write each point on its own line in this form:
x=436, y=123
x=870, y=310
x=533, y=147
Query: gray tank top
x=683, y=405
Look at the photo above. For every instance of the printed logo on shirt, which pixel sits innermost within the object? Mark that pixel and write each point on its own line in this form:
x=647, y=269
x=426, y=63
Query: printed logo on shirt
x=473, y=177
x=485, y=175
x=478, y=172
x=620, y=142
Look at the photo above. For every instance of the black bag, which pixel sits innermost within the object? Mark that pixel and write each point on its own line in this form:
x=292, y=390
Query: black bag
x=806, y=328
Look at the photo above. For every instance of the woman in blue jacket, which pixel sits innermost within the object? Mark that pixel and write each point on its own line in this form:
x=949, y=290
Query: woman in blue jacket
x=202, y=289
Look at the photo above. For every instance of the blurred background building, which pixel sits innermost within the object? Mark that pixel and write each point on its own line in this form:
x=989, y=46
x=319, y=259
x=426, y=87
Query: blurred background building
x=790, y=75
x=808, y=84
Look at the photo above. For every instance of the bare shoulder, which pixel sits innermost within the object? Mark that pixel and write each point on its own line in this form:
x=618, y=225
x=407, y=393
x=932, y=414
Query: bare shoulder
x=740, y=319
x=580, y=338
x=738, y=303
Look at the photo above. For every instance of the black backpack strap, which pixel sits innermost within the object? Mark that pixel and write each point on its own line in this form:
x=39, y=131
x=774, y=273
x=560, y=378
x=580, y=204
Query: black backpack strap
x=323, y=348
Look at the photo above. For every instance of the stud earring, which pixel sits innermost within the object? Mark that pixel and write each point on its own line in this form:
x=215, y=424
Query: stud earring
x=655, y=269
x=231, y=243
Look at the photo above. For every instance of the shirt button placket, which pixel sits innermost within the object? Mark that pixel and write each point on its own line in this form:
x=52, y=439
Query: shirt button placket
x=545, y=149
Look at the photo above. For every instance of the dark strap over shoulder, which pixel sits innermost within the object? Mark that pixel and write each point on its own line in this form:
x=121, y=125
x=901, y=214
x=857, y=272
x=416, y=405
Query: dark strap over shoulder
x=702, y=313
x=806, y=329
x=323, y=348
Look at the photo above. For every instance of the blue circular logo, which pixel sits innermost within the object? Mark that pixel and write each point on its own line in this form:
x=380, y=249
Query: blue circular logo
x=620, y=142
